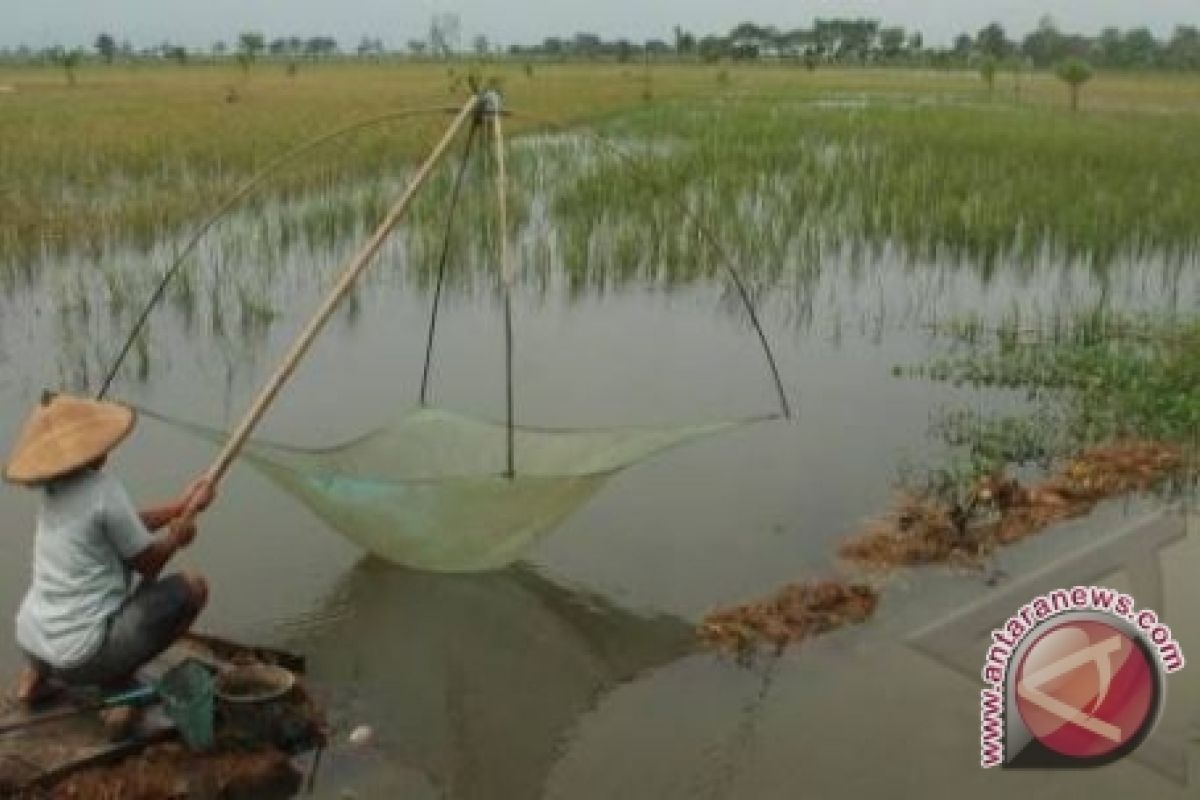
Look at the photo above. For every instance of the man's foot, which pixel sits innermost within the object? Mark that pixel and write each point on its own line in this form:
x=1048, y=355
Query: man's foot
x=33, y=687
x=121, y=722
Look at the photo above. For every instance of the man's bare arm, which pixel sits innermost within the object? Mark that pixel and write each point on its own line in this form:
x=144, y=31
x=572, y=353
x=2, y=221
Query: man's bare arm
x=158, y=516
x=150, y=561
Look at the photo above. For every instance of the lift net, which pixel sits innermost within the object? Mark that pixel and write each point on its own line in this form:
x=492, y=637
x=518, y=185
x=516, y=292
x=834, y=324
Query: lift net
x=429, y=490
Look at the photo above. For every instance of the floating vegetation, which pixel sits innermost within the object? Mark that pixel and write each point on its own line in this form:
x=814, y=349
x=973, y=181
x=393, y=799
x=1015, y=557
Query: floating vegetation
x=923, y=529
x=1108, y=377
x=794, y=613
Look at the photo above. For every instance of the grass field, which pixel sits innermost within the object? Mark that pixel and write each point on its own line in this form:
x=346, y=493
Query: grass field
x=131, y=154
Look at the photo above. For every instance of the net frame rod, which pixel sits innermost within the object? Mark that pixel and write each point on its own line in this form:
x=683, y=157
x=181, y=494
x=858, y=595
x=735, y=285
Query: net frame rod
x=442, y=261
x=711, y=238
x=492, y=107
x=244, y=190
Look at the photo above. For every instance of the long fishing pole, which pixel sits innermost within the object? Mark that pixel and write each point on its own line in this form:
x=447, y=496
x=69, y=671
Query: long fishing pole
x=711, y=238
x=353, y=268
x=252, y=183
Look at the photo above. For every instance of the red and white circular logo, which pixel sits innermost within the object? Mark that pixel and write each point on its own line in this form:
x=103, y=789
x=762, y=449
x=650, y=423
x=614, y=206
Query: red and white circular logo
x=1086, y=689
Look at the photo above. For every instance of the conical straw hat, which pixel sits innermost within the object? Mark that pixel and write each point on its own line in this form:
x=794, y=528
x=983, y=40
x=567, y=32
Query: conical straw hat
x=63, y=434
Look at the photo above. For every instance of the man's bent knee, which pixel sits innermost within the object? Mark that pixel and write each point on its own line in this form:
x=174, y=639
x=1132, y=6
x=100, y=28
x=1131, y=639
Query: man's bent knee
x=197, y=587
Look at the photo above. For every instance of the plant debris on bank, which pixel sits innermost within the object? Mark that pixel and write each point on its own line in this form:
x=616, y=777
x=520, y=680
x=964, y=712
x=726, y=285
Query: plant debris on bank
x=1001, y=511
x=793, y=614
x=926, y=530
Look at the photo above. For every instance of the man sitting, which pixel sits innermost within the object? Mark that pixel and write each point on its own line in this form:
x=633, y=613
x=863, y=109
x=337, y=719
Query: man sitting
x=80, y=623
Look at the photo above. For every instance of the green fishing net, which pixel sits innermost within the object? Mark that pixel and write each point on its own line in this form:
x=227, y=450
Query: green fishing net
x=429, y=490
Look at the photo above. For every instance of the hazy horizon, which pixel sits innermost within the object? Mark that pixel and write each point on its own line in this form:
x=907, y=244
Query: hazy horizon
x=148, y=22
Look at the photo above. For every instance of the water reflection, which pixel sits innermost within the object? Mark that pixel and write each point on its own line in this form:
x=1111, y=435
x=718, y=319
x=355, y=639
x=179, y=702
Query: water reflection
x=472, y=682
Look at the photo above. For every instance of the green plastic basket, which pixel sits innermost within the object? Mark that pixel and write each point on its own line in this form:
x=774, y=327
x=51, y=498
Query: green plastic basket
x=187, y=692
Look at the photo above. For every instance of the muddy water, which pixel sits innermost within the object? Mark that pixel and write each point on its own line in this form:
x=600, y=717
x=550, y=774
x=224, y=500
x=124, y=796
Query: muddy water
x=573, y=674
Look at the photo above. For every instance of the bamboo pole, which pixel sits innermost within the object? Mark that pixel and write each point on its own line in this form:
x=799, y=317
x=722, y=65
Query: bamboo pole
x=495, y=112
x=350, y=273
x=506, y=268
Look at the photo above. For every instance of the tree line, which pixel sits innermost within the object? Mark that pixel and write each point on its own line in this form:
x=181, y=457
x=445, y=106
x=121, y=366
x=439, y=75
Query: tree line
x=866, y=41
x=827, y=41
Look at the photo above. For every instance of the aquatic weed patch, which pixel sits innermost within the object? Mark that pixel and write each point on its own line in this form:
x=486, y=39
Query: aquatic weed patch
x=1109, y=376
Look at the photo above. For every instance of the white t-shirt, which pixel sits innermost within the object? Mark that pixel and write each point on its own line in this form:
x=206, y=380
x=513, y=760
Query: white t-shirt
x=87, y=529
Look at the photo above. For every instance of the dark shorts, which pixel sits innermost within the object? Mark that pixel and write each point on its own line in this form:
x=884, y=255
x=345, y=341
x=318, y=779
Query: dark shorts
x=147, y=623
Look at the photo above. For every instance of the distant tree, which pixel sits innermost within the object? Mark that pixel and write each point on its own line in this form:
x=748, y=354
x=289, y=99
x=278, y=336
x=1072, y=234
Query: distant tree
x=317, y=46
x=987, y=71
x=992, y=41
x=712, y=48
x=278, y=47
x=70, y=60
x=587, y=44
x=792, y=44
x=250, y=44
x=417, y=47
x=1075, y=72
x=749, y=34
x=219, y=48
x=743, y=51
x=1019, y=66
x=624, y=51
x=963, y=44
x=175, y=53
x=1183, y=50
x=1045, y=45
x=480, y=45
x=1139, y=48
x=106, y=46
x=1110, y=47
x=685, y=43
x=368, y=46
x=891, y=42
x=445, y=31
x=846, y=39
x=656, y=48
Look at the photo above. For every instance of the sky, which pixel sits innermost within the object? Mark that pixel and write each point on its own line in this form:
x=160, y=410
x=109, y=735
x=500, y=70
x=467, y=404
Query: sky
x=41, y=23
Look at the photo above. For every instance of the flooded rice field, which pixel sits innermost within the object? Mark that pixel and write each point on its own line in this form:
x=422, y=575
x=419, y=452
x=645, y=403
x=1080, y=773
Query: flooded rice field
x=577, y=672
